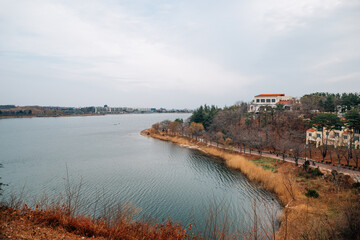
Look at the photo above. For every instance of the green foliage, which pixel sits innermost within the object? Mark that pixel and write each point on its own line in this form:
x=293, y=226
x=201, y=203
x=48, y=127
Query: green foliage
x=350, y=100
x=327, y=120
x=268, y=167
x=353, y=119
x=329, y=102
x=312, y=193
x=316, y=172
x=310, y=173
x=179, y=120
x=279, y=108
x=204, y=115
x=266, y=163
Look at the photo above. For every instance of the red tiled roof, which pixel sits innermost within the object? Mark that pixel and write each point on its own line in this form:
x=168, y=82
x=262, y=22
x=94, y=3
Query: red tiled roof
x=311, y=130
x=271, y=95
x=346, y=132
x=284, y=102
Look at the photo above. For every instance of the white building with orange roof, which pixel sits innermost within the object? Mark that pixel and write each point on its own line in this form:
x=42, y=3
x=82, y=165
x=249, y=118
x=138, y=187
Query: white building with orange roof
x=334, y=137
x=270, y=100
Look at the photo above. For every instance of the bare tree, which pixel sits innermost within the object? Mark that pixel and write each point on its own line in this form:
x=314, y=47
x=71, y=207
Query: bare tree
x=340, y=153
x=297, y=150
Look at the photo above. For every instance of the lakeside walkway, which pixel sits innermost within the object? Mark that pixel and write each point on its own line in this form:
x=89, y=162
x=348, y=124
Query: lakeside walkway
x=354, y=174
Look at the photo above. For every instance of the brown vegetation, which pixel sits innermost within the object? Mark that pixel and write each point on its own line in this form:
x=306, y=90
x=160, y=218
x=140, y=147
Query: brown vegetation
x=56, y=223
x=17, y=224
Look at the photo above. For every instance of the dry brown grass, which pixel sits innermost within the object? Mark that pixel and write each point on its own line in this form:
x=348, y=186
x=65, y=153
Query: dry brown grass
x=118, y=228
x=276, y=183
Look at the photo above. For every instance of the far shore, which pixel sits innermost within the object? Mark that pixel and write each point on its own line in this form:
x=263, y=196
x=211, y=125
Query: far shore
x=81, y=115
x=33, y=116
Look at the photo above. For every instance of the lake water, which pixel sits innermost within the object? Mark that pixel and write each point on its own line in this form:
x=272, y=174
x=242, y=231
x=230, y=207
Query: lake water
x=115, y=162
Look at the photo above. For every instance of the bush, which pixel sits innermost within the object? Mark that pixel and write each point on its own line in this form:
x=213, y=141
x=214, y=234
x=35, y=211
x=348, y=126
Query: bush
x=316, y=172
x=312, y=193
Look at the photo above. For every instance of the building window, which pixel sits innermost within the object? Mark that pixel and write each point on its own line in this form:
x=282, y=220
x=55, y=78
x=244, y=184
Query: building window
x=318, y=135
x=257, y=100
x=345, y=137
x=262, y=100
x=356, y=138
x=336, y=134
x=327, y=133
x=267, y=100
x=310, y=134
x=273, y=100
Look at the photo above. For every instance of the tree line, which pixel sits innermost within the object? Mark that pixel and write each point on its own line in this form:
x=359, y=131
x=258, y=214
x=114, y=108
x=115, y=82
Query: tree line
x=16, y=113
x=330, y=102
x=275, y=130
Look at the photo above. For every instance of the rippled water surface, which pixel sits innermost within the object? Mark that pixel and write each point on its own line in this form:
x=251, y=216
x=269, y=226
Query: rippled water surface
x=114, y=161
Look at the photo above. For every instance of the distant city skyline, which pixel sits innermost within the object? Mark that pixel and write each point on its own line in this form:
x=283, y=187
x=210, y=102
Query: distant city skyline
x=178, y=55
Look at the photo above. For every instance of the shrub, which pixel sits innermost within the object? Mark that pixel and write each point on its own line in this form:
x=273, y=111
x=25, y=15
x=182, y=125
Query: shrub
x=312, y=193
x=316, y=172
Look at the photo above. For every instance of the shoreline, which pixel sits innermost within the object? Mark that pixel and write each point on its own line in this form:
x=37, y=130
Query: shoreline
x=227, y=156
x=301, y=214
x=265, y=179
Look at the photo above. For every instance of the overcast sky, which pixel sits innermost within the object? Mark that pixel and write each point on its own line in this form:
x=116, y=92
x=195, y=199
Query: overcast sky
x=175, y=54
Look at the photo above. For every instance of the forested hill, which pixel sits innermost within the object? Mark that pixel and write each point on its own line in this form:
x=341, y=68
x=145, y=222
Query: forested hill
x=276, y=129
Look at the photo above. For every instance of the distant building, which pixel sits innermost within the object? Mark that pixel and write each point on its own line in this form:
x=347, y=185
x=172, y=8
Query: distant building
x=336, y=137
x=102, y=110
x=262, y=101
x=143, y=110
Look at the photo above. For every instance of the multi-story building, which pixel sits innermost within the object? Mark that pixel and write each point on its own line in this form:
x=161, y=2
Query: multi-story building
x=335, y=137
x=271, y=100
x=102, y=110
